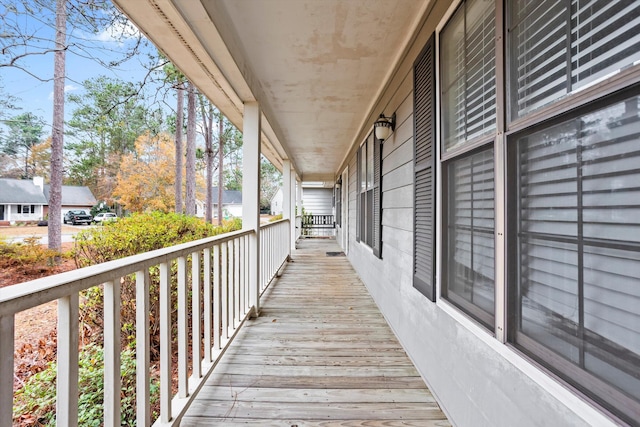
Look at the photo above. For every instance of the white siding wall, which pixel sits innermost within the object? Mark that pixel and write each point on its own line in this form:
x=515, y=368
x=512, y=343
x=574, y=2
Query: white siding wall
x=277, y=202
x=477, y=380
x=12, y=213
x=317, y=201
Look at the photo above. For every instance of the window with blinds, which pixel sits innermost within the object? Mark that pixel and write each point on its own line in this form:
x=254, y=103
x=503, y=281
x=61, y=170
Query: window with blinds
x=468, y=83
x=559, y=47
x=576, y=257
x=369, y=196
x=469, y=281
x=468, y=111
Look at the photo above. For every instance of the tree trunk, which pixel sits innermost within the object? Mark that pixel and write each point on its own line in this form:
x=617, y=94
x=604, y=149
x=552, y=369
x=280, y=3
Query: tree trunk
x=190, y=199
x=208, y=140
x=57, y=134
x=220, y=166
x=179, y=149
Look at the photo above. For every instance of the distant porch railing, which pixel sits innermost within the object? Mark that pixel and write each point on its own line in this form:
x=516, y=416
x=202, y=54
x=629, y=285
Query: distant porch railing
x=219, y=280
x=318, y=225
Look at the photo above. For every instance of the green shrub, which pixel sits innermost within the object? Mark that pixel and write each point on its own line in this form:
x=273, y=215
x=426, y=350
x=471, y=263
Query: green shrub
x=34, y=403
x=130, y=236
x=276, y=218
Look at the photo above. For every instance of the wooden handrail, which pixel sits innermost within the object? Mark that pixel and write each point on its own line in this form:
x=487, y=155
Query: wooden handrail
x=222, y=283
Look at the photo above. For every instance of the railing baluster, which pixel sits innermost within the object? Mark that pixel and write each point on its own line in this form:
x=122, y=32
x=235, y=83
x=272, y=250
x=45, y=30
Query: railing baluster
x=207, y=304
x=7, y=333
x=236, y=282
x=247, y=262
x=226, y=286
x=165, y=343
x=243, y=302
x=143, y=386
x=183, y=346
x=224, y=297
x=261, y=265
x=196, y=316
x=67, y=375
x=232, y=291
x=217, y=299
x=112, y=381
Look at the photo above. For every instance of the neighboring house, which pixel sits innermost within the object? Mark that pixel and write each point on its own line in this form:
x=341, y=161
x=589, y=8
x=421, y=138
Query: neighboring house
x=276, y=203
x=498, y=227
x=73, y=198
x=231, y=204
x=27, y=200
x=22, y=200
x=317, y=200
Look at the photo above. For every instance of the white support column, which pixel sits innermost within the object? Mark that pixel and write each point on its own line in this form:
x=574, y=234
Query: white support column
x=251, y=195
x=299, y=197
x=288, y=201
x=293, y=211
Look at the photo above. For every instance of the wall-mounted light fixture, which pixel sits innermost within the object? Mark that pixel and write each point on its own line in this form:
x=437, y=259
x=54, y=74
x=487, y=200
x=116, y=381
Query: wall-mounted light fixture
x=384, y=126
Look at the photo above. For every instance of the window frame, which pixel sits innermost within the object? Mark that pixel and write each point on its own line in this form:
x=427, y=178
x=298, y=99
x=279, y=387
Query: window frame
x=446, y=158
x=369, y=211
x=617, y=80
x=30, y=209
x=578, y=379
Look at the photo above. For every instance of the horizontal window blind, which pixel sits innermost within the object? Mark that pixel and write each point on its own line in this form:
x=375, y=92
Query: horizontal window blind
x=468, y=74
x=558, y=47
x=470, y=279
x=578, y=265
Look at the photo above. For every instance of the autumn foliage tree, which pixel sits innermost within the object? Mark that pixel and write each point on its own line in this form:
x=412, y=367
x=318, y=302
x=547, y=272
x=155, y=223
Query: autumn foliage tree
x=146, y=177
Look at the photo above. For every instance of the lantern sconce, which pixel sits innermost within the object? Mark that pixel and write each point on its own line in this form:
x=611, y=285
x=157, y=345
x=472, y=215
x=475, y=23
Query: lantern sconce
x=384, y=126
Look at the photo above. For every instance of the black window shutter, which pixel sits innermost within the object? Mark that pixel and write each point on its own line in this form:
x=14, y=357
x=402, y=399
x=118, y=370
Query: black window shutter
x=337, y=194
x=377, y=198
x=358, y=190
x=423, y=167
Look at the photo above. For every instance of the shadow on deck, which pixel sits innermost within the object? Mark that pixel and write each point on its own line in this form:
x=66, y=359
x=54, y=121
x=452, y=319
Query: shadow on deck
x=320, y=354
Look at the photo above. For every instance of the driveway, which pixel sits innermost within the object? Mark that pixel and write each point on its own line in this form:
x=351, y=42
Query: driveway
x=18, y=234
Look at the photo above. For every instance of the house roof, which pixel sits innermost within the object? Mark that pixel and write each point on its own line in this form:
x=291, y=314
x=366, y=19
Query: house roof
x=229, y=197
x=74, y=195
x=18, y=191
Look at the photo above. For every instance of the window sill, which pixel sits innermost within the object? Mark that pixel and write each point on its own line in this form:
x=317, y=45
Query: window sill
x=568, y=398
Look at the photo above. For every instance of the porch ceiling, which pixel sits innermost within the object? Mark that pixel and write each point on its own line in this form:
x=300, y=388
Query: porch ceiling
x=317, y=68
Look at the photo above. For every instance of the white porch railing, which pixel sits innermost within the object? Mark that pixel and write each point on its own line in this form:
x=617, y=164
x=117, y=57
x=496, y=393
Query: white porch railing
x=298, y=226
x=274, y=247
x=219, y=279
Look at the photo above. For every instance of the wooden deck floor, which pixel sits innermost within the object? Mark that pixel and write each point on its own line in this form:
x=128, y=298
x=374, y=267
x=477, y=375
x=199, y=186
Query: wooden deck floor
x=320, y=354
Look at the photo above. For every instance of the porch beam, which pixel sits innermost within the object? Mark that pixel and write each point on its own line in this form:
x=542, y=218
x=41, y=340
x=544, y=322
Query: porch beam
x=251, y=132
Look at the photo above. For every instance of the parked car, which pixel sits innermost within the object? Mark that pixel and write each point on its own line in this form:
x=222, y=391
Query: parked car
x=103, y=217
x=77, y=217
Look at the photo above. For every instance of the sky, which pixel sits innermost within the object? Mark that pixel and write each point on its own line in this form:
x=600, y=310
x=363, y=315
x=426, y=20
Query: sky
x=36, y=96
